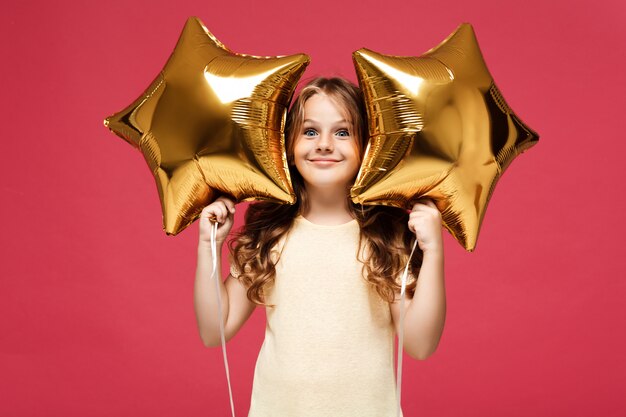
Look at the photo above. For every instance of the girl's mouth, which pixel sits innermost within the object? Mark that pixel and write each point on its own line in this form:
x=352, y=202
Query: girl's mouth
x=324, y=161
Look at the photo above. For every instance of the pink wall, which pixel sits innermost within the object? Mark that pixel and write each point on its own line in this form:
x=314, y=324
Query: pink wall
x=96, y=301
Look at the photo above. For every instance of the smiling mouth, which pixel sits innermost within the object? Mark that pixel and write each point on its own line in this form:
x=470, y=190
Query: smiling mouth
x=324, y=161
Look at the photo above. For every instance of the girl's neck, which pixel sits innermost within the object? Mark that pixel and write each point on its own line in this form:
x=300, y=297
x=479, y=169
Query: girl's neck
x=327, y=206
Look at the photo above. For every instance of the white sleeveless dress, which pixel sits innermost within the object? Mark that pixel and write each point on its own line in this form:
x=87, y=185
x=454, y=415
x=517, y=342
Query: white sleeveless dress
x=329, y=341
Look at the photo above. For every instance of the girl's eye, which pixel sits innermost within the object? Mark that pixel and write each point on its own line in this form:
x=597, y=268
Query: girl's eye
x=310, y=132
x=343, y=133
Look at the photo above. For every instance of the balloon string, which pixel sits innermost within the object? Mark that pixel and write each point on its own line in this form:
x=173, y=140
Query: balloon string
x=401, y=331
x=219, y=312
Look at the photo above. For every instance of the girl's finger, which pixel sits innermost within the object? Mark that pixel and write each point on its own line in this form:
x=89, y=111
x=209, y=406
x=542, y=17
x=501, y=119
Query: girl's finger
x=208, y=209
x=210, y=215
x=430, y=203
x=222, y=212
x=227, y=203
x=215, y=212
x=418, y=211
x=427, y=206
x=230, y=204
x=206, y=212
x=420, y=208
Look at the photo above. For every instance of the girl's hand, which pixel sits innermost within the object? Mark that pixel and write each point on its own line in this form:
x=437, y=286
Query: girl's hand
x=425, y=222
x=221, y=210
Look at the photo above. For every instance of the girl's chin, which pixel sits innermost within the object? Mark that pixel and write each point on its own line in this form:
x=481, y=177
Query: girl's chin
x=331, y=183
x=320, y=178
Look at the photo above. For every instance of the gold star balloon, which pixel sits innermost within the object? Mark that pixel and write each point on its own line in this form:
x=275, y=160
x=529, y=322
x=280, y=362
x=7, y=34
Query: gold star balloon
x=212, y=123
x=438, y=128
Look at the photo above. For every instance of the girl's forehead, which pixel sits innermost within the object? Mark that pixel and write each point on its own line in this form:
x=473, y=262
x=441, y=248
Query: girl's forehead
x=324, y=107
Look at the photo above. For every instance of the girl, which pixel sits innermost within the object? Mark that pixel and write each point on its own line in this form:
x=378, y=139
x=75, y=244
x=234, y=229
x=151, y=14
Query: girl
x=327, y=271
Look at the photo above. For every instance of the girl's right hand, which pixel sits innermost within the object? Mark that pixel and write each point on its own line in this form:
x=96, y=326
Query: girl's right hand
x=221, y=209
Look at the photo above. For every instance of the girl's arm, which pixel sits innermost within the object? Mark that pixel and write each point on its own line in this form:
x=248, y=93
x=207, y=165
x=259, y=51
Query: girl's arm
x=236, y=308
x=425, y=313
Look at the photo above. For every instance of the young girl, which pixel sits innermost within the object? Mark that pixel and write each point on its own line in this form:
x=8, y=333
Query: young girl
x=328, y=272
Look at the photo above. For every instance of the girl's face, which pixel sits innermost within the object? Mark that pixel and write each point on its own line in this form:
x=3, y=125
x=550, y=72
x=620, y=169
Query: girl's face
x=325, y=151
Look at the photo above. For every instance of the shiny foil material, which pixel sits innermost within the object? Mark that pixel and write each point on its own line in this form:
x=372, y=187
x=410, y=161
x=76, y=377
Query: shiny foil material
x=212, y=123
x=438, y=128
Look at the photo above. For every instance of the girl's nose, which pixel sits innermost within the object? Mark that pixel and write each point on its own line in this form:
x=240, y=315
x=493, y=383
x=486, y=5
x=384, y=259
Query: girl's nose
x=325, y=143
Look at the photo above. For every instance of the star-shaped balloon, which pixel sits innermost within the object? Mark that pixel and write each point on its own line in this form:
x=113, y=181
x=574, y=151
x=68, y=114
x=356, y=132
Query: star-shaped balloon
x=438, y=128
x=212, y=123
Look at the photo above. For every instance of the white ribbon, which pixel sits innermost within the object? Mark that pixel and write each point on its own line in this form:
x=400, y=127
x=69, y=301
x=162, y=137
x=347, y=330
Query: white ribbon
x=219, y=312
x=401, y=331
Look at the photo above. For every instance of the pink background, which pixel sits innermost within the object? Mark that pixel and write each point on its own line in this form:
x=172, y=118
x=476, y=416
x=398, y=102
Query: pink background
x=96, y=301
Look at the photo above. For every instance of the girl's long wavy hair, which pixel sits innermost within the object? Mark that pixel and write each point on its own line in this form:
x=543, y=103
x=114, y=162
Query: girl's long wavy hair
x=384, y=233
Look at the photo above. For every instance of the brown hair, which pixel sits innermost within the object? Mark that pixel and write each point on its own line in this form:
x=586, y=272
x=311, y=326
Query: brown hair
x=384, y=230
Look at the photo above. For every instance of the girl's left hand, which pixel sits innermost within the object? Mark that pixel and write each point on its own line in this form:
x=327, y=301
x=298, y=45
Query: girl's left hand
x=425, y=222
